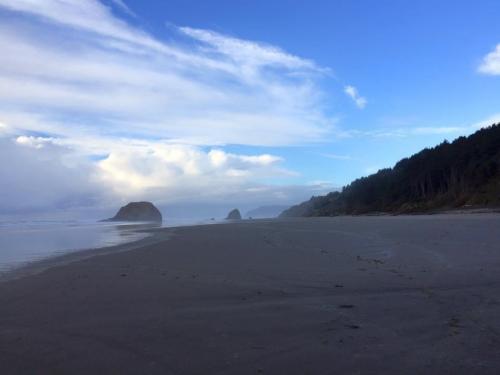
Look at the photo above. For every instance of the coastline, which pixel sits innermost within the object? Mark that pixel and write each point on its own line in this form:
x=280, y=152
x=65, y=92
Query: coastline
x=153, y=236
x=442, y=211
x=317, y=295
x=159, y=234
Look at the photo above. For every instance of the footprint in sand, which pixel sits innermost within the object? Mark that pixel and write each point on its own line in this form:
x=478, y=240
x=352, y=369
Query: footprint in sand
x=352, y=326
x=454, y=324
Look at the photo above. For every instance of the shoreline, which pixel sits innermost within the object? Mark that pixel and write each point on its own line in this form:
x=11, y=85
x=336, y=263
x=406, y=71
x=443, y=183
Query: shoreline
x=161, y=234
x=153, y=236
x=295, y=296
x=443, y=211
x=39, y=265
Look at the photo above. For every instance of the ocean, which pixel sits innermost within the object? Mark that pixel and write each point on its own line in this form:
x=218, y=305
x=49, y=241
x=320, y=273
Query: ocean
x=22, y=242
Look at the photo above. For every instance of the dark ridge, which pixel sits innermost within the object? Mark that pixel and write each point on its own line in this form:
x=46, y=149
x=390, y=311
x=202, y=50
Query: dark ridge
x=461, y=174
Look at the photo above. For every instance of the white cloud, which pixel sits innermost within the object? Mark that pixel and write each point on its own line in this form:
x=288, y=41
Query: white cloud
x=494, y=119
x=4, y=129
x=336, y=156
x=491, y=62
x=124, y=7
x=219, y=90
x=175, y=172
x=411, y=132
x=49, y=177
x=112, y=112
x=353, y=93
x=436, y=130
x=49, y=173
x=454, y=131
x=35, y=142
x=250, y=55
x=85, y=15
x=371, y=170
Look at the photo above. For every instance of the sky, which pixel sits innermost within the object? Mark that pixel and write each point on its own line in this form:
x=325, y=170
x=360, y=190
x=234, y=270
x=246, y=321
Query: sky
x=231, y=103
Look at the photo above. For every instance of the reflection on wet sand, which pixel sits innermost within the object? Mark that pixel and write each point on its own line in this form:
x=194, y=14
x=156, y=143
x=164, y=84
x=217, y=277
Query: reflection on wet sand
x=21, y=243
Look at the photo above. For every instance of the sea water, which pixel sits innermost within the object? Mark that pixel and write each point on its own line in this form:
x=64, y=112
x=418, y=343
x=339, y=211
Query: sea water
x=22, y=242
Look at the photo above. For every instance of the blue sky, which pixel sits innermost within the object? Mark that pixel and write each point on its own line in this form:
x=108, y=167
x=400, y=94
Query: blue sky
x=261, y=101
x=416, y=63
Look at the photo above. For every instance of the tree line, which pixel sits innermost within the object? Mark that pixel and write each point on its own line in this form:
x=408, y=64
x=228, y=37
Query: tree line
x=464, y=173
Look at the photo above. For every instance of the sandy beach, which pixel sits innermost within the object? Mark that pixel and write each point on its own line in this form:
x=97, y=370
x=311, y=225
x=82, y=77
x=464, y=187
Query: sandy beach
x=345, y=295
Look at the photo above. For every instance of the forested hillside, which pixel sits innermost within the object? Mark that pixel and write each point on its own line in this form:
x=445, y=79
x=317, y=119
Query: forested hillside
x=465, y=172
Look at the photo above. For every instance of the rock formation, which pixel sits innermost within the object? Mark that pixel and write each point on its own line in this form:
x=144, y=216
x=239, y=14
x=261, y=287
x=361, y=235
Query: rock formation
x=138, y=211
x=234, y=215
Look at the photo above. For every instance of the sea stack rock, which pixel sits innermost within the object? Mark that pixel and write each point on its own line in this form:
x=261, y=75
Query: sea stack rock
x=138, y=211
x=234, y=215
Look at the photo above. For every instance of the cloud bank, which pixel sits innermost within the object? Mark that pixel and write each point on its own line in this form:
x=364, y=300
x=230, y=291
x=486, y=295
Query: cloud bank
x=42, y=174
x=100, y=109
x=214, y=89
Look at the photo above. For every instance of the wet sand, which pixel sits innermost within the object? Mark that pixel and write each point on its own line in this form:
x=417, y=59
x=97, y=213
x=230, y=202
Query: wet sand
x=347, y=295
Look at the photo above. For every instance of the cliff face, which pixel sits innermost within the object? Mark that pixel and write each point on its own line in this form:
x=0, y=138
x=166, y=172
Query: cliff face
x=138, y=211
x=464, y=173
x=234, y=215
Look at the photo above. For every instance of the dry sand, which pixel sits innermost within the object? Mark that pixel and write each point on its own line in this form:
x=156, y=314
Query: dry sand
x=348, y=295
